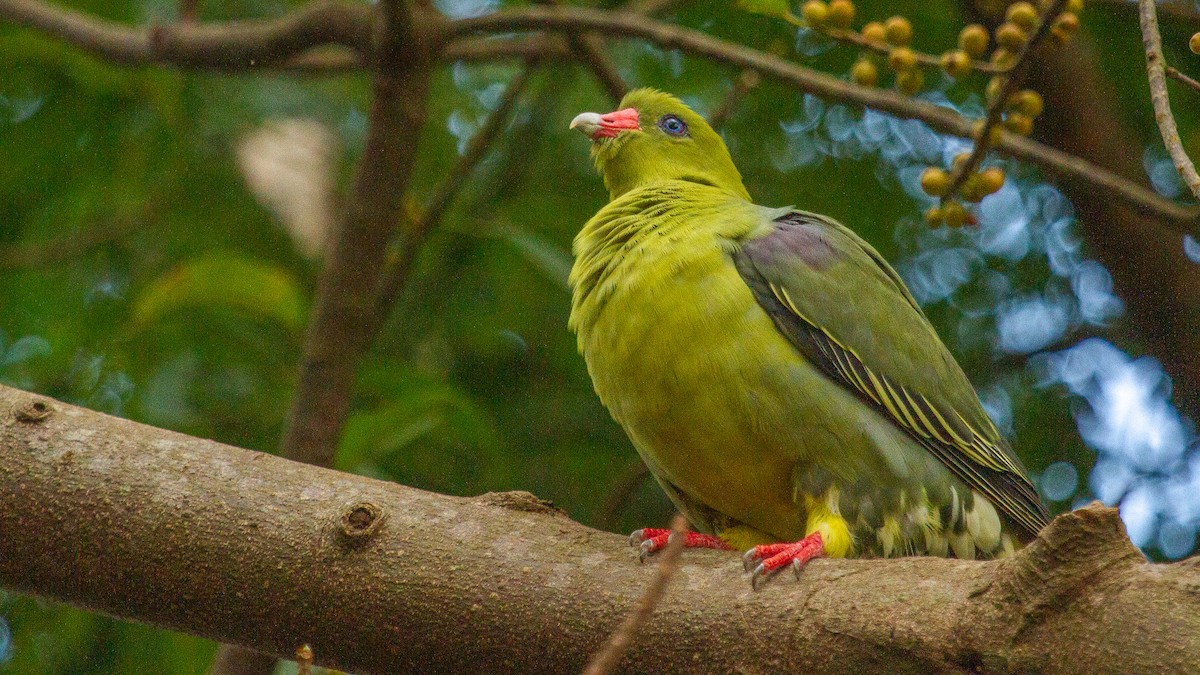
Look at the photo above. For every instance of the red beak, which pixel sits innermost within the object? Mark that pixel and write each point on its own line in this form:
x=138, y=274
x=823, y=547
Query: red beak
x=596, y=126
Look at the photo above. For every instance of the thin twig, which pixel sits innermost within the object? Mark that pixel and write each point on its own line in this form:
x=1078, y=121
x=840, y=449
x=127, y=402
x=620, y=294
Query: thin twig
x=590, y=49
x=233, y=45
x=72, y=245
x=608, y=658
x=1012, y=82
x=1155, y=63
x=745, y=82
x=856, y=38
x=943, y=120
x=1174, y=73
x=651, y=7
x=398, y=266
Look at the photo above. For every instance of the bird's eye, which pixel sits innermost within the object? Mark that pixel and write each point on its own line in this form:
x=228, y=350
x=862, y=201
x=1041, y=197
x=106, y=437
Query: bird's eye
x=672, y=125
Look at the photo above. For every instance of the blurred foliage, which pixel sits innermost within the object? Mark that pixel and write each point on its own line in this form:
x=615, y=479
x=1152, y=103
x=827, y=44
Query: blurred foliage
x=191, y=315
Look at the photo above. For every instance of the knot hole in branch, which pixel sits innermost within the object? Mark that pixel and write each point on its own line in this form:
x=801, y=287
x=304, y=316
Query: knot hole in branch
x=34, y=411
x=360, y=522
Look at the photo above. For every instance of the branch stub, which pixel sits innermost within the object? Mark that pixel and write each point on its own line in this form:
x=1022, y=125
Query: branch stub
x=360, y=522
x=34, y=412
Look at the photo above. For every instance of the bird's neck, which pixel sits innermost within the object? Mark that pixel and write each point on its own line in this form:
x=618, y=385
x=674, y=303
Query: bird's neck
x=631, y=169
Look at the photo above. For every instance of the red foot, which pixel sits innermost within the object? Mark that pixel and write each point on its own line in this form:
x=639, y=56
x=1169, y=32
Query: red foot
x=773, y=557
x=651, y=540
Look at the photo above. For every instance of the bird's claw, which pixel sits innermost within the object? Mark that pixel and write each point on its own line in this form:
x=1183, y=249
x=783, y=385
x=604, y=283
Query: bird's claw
x=772, y=558
x=749, y=559
x=651, y=540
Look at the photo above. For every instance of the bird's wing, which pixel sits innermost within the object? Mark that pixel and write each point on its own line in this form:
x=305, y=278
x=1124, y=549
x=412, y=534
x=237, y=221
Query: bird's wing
x=847, y=311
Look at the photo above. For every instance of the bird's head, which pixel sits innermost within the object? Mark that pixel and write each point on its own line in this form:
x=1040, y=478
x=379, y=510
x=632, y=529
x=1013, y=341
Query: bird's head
x=653, y=136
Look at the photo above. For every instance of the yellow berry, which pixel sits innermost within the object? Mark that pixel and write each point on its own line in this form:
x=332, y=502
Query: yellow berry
x=1018, y=123
x=874, y=33
x=935, y=181
x=1022, y=14
x=814, y=12
x=1028, y=103
x=933, y=216
x=1003, y=58
x=974, y=40
x=864, y=72
x=841, y=13
x=972, y=189
x=992, y=179
x=1074, y=6
x=994, y=134
x=1010, y=36
x=910, y=81
x=954, y=214
x=899, y=31
x=956, y=63
x=1194, y=43
x=1065, y=26
x=901, y=59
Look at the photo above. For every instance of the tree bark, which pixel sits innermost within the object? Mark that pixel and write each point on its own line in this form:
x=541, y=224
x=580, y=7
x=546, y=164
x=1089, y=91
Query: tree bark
x=243, y=547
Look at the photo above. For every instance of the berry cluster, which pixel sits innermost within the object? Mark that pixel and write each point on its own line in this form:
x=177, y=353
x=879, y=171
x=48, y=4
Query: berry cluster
x=889, y=43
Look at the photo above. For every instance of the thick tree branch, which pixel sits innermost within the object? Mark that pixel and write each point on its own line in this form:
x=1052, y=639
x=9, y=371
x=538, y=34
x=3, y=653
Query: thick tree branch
x=1155, y=73
x=343, y=320
x=234, y=545
x=943, y=120
x=234, y=45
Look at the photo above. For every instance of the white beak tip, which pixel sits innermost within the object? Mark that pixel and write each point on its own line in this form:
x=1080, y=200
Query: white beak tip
x=587, y=123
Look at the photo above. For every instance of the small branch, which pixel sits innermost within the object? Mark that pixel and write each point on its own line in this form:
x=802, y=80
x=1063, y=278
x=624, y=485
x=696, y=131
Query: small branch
x=746, y=81
x=1063, y=165
x=229, y=46
x=1155, y=64
x=651, y=7
x=549, y=47
x=608, y=658
x=1012, y=82
x=590, y=49
x=398, y=267
x=1180, y=77
x=856, y=38
x=73, y=245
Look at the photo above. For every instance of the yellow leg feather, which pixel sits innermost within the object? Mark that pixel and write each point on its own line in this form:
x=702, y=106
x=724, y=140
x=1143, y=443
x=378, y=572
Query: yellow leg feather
x=835, y=532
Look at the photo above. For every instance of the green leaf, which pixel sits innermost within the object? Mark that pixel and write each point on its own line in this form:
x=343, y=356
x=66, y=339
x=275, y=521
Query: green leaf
x=224, y=280
x=780, y=9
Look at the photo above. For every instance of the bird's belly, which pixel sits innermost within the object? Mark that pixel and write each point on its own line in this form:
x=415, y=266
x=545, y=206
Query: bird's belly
x=709, y=391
